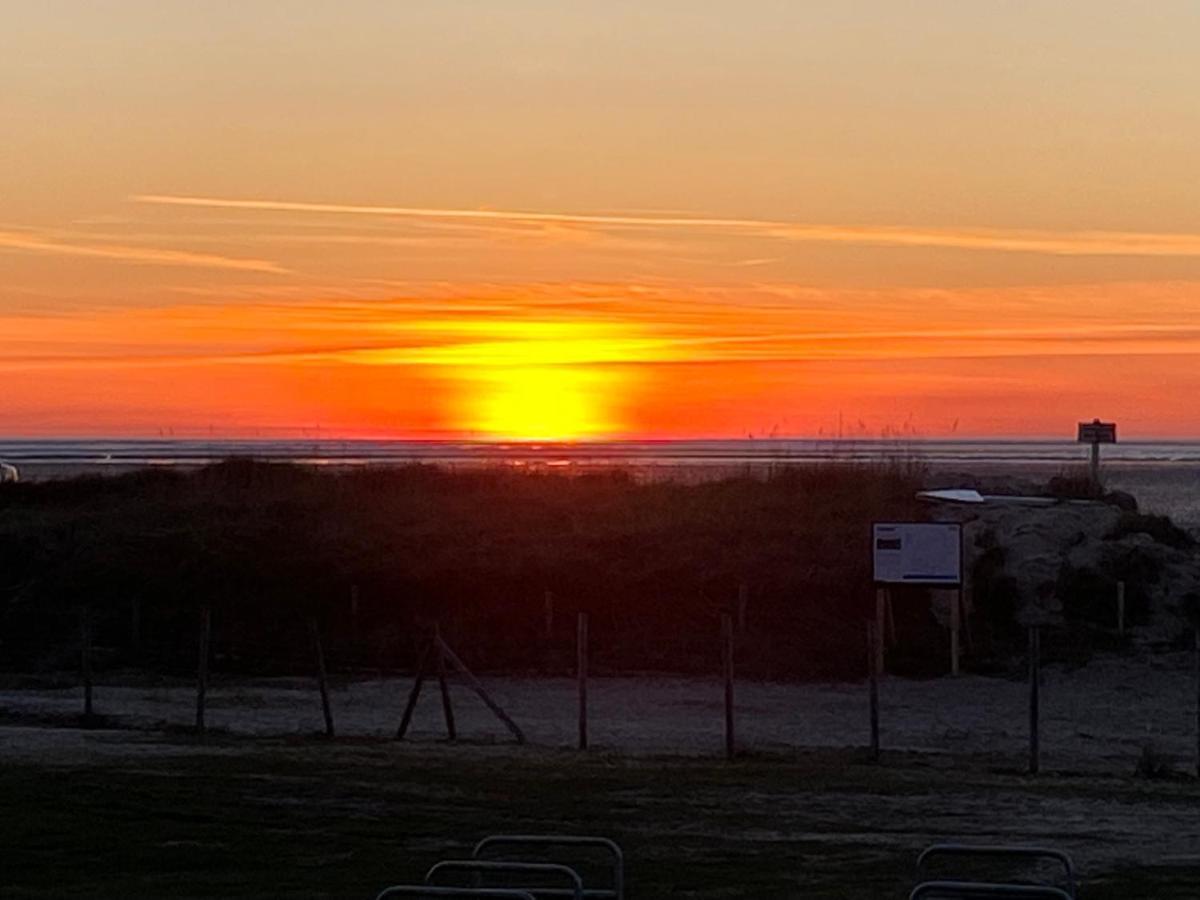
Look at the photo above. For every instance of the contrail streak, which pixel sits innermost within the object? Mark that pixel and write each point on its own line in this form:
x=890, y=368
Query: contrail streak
x=1065, y=243
x=16, y=240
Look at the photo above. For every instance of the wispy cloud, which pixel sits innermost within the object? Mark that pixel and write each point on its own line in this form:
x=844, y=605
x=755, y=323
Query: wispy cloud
x=557, y=325
x=1055, y=243
x=34, y=242
x=494, y=215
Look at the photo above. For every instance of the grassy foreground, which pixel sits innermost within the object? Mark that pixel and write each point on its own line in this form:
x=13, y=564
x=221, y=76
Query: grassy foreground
x=291, y=820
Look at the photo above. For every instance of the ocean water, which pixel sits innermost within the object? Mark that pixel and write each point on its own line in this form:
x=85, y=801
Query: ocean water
x=107, y=453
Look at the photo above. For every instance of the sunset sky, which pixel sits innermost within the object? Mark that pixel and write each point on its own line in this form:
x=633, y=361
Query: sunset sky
x=521, y=219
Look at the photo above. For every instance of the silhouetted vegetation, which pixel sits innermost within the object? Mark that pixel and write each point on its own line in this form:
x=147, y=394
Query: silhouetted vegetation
x=1153, y=764
x=1160, y=528
x=996, y=597
x=265, y=546
x=1074, y=484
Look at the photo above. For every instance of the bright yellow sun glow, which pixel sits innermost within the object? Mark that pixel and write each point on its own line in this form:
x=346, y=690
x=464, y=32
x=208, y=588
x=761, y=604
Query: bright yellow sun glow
x=533, y=380
x=540, y=381
x=560, y=403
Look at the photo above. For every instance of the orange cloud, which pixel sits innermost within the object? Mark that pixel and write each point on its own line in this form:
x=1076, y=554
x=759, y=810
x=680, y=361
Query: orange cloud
x=37, y=243
x=1064, y=243
x=580, y=360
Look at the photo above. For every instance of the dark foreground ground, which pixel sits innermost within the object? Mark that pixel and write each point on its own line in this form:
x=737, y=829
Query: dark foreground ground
x=128, y=816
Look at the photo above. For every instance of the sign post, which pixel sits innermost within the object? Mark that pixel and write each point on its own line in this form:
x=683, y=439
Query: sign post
x=882, y=602
x=873, y=643
x=925, y=554
x=1096, y=433
x=955, y=627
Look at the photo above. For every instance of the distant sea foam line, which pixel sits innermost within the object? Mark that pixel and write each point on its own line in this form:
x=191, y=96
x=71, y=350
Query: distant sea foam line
x=89, y=452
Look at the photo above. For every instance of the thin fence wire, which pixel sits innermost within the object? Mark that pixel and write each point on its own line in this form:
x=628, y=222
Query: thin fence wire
x=1118, y=714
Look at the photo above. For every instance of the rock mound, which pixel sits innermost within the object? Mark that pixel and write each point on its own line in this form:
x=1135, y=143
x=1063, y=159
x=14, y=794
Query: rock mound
x=1061, y=565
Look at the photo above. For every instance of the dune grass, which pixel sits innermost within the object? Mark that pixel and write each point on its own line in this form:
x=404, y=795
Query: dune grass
x=268, y=545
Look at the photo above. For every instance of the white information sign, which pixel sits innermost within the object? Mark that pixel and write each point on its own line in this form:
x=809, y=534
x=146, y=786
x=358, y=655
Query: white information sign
x=918, y=553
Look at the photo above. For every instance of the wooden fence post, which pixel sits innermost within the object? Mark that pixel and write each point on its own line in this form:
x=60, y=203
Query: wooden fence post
x=474, y=684
x=881, y=605
x=955, y=628
x=873, y=641
x=446, y=655
x=1035, y=675
x=413, y=695
x=581, y=673
x=354, y=649
x=202, y=665
x=1121, y=608
x=322, y=677
x=447, y=706
x=85, y=658
x=727, y=659
x=135, y=626
x=1196, y=666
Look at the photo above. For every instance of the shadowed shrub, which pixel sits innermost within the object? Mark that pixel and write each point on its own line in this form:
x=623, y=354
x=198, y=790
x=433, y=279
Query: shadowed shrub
x=266, y=545
x=1160, y=528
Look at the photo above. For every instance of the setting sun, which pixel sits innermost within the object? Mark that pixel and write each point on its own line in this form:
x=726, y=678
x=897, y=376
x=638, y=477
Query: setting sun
x=754, y=366
x=536, y=380
x=597, y=222
x=560, y=403
x=527, y=379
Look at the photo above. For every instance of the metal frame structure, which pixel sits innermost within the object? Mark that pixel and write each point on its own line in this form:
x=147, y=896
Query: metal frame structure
x=940, y=889
x=531, y=841
x=980, y=890
x=428, y=892
x=1000, y=851
x=480, y=867
x=885, y=587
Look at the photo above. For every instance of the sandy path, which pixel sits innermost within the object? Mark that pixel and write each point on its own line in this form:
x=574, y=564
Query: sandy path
x=1094, y=719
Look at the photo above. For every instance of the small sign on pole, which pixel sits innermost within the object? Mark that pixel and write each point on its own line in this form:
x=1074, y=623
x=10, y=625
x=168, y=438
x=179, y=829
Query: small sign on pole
x=921, y=554
x=1096, y=433
x=918, y=553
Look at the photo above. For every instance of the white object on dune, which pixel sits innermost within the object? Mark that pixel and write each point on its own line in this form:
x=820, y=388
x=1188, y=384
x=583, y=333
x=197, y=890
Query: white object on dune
x=9, y=473
x=965, y=495
x=951, y=496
